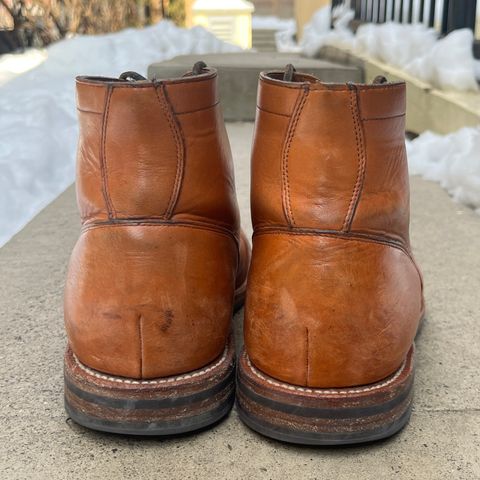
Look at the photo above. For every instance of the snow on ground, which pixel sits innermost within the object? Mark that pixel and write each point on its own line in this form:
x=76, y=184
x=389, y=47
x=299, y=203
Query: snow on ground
x=14, y=64
x=452, y=160
x=38, y=124
x=317, y=33
x=446, y=63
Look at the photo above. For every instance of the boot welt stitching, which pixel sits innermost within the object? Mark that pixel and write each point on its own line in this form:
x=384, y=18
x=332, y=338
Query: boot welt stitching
x=322, y=391
x=165, y=104
x=103, y=158
x=152, y=382
x=287, y=205
x=361, y=159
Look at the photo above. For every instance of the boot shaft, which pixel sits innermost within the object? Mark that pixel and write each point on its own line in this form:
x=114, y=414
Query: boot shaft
x=330, y=157
x=154, y=150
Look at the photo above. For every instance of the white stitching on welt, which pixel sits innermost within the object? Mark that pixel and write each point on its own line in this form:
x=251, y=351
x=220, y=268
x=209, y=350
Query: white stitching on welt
x=324, y=391
x=151, y=382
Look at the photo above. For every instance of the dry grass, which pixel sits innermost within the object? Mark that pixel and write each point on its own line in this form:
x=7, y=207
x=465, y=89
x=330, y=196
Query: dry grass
x=40, y=22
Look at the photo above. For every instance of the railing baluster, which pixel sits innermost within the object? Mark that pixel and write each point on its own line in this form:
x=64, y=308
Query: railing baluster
x=383, y=17
x=445, y=17
x=422, y=8
x=455, y=14
x=410, y=11
x=471, y=15
x=358, y=9
x=461, y=15
x=431, y=14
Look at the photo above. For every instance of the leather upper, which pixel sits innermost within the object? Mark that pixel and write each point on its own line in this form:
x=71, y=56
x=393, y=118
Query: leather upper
x=152, y=279
x=334, y=295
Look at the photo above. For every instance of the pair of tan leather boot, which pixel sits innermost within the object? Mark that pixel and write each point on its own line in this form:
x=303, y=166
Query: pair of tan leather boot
x=334, y=296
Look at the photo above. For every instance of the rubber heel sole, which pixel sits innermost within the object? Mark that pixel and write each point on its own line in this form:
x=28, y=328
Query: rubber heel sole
x=316, y=416
x=163, y=406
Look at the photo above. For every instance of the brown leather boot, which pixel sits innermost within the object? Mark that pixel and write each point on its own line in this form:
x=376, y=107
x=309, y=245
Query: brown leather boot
x=160, y=262
x=334, y=295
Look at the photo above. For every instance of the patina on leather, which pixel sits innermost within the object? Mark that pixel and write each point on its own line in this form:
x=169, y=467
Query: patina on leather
x=161, y=258
x=334, y=295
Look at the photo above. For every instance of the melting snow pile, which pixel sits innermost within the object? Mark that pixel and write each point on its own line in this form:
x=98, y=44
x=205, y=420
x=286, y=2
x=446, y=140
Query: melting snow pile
x=452, y=160
x=446, y=63
x=317, y=33
x=14, y=64
x=38, y=125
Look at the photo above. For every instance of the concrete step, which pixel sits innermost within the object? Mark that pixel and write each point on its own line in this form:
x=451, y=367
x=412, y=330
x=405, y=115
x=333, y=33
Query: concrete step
x=263, y=40
x=441, y=441
x=265, y=47
x=263, y=33
x=238, y=75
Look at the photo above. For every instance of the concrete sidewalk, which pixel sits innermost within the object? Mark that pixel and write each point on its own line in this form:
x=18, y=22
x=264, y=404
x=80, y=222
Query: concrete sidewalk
x=442, y=440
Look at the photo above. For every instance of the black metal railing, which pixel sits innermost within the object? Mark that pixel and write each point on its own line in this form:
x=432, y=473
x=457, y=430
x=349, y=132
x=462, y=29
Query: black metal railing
x=445, y=15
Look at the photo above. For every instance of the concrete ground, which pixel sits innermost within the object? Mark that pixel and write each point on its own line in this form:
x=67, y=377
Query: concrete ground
x=442, y=441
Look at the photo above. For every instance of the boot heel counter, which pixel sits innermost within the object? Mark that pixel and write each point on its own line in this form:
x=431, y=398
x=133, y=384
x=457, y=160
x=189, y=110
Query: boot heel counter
x=134, y=304
x=344, y=312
